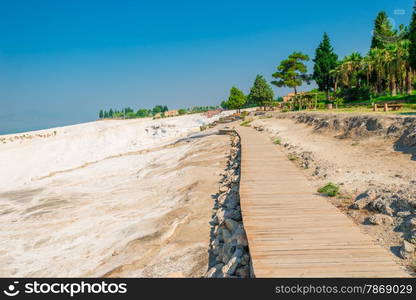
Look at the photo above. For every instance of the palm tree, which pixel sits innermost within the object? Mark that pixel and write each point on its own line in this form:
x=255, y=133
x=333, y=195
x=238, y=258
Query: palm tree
x=404, y=67
x=336, y=74
x=374, y=70
x=398, y=69
x=391, y=67
x=349, y=71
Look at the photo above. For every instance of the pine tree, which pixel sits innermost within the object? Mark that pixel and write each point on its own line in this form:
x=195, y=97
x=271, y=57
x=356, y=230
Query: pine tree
x=292, y=72
x=382, y=32
x=325, y=61
x=412, y=38
x=261, y=92
x=101, y=114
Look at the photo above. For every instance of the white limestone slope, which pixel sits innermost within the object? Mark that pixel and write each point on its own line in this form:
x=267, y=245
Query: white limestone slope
x=86, y=201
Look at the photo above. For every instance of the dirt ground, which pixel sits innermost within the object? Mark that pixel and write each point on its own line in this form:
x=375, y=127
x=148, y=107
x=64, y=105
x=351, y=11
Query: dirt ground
x=360, y=161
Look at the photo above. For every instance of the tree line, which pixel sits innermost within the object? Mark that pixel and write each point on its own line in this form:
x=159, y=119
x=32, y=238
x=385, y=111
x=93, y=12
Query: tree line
x=129, y=113
x=387, y=69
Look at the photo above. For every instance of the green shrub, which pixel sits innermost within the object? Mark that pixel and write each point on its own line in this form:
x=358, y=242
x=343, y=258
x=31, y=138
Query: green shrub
x=245, y=123
x=292, y=156
x=355, y=93
x=339, y=102
x=182, y=111
x=329, y=189
x=321, y=105
x=277, y=141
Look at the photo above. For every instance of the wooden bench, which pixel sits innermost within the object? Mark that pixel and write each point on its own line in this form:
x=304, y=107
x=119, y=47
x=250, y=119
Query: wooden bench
x=387, y=106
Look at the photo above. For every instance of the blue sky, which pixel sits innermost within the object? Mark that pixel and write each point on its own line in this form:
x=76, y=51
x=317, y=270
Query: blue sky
x=62, y=61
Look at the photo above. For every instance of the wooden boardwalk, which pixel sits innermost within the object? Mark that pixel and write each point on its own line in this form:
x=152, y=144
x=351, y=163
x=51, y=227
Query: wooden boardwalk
x=292, y=231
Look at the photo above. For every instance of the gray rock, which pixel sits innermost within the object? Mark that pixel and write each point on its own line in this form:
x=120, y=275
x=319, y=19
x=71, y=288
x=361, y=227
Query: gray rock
x=243, y=272
x=232, y=201
x=231, y=266
x=412, y=237
x=224, y=189
x=364, y=199
x=231, y=224
x=407, y=250
x=215, y=272
x=216, y=230
x=240, y=236
x=234, y=214
x=228, y=250
x=221, y=198
x=382, y=204
x=218, y=259
x=245, y=259
x=230, y=173
x=403, y=214
x=236, y=178
x=412, y=223
x=221, y=215
x=380, y=219
x=239, y=252
x=360, y=204
x=216, y=246
x=226, y=235
x=219, y=235
x=220, y=254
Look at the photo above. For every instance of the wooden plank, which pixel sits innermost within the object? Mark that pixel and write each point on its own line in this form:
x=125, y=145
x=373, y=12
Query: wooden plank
x=292, y=231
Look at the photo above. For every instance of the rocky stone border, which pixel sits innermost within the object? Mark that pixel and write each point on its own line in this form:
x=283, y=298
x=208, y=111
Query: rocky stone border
x=229, y=253
x=395, y=206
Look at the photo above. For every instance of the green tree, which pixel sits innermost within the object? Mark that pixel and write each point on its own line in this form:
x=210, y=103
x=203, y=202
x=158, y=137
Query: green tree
x=105, y=114
x=101, y=114
x=224, y=104
x=110, y=113
x=261, y=92
x=350, y=70
x=128, y=110
x=236, y=100
x=383, y=31
x=130, y=115
x=159, y=109
x=142, y=113
x=374, y=67
x=292, y=71
x=325, y=61
x=412, y=38
x=182, y=111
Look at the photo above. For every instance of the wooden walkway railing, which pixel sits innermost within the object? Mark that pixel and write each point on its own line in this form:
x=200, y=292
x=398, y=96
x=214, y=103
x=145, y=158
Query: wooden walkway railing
x=292, y=231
